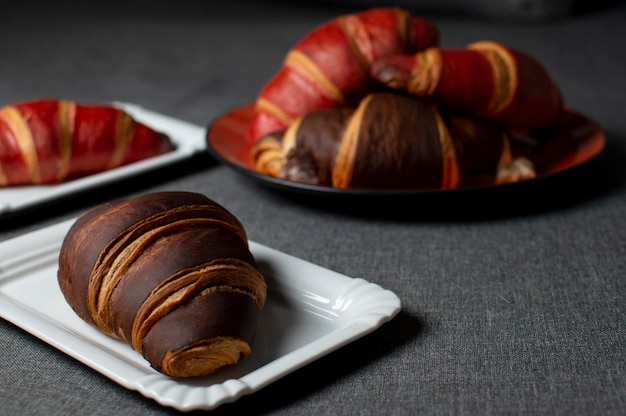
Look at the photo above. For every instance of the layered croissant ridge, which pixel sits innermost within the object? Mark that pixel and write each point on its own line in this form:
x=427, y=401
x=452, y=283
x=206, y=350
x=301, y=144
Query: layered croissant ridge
x=169, y=273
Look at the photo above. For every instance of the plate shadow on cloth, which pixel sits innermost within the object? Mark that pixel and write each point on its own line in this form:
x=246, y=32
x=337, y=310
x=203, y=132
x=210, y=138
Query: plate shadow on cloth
x=329, y=370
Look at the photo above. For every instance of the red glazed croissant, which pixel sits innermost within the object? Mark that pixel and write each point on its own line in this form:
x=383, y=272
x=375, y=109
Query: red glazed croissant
x=329, y=67
x=48, y=141
x=170, y=274
x=485, y=79
x=389, y=142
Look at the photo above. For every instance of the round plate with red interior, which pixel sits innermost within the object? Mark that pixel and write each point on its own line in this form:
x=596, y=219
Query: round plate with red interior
x=573, y=142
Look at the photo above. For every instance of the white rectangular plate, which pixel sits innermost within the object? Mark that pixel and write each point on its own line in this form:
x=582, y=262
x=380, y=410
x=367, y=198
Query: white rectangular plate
x=310, y=311
x=188, y=138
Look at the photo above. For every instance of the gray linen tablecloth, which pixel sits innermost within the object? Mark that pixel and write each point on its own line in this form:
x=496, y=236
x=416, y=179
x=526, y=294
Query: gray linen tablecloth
x=514, y=302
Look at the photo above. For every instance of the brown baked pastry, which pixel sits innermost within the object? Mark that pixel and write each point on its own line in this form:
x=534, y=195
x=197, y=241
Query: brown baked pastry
x=390, y=141
x=171, y=274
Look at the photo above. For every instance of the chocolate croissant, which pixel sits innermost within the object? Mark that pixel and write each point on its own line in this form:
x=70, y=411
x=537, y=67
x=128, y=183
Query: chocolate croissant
x=169, y=273
x=391, y=142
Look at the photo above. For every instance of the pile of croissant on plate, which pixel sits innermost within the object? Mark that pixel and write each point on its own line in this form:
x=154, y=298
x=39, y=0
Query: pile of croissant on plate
x=370, y=101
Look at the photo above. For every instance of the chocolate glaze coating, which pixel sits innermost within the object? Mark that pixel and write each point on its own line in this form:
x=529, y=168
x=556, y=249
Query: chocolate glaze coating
x=78, y=255
x=96, y=228
x=199, y=316
x=398, y=145
x=478, y=143
x=165, y=257
x=125, y=266
x=317, y=139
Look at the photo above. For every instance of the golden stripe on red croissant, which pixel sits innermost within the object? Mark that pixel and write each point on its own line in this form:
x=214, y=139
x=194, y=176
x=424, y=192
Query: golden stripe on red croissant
x=329, y=67
x=486, y=79
x=390, y=141
x=48, y=141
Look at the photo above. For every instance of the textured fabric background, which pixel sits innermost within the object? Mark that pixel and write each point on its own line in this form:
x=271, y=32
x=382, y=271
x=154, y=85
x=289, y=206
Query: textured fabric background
x=514, y=301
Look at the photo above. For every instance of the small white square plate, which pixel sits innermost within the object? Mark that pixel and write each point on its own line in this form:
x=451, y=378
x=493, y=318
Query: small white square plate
x=188, y=138
x=310, y=311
